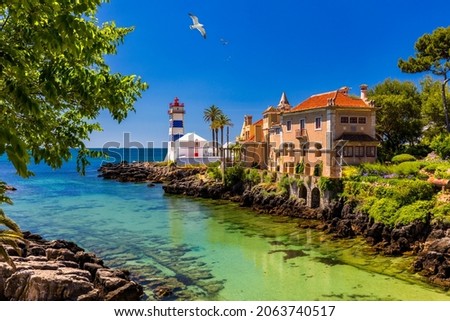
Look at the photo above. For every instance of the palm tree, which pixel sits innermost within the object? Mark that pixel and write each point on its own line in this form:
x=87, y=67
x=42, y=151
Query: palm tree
x=210, y=115
x=222, y=121
x=9, y=236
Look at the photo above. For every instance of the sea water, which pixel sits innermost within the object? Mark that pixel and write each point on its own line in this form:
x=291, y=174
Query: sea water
x=209, y=250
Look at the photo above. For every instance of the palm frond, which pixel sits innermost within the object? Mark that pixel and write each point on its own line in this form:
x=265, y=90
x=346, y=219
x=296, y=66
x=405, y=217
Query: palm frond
x=9, y=223
x=6, y=256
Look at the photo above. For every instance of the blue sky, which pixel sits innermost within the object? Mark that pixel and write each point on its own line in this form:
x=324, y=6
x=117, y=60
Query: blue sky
x=302, y=47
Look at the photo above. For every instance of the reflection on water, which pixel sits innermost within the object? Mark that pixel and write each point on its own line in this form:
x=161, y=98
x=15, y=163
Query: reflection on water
x=208, y=250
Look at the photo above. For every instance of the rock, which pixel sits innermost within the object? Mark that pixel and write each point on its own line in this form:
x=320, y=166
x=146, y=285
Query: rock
x=60, y=254
x=130, y=291
x=162, y=292
x=51, y=271
x=61, y=284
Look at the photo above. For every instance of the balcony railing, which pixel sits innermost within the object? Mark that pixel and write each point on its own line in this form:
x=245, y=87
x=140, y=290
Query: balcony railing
x=300, y=133
x=288, y=159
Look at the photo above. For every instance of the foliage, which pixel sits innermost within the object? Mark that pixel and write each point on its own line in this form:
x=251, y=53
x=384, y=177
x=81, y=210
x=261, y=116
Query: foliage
x=398, y=116
x=384, y=210
x=300, y=168
x=284, y=185
x=417, y=211
x=3, y=197
x=382, y=198
x=405, y=169
x=213, y=171
x=441, y=212
x=330, y=184
x=441, y=145
x=432, y=108
x=9, y=236
x=55, y=80
x=217, y=120
x=350, y=172
x=234, y=175
x=439, y=169
x=318, y=169
x=253, y=177
x=420, y=150
x=433, y=55
x=391, y=213
x=409, y=169
x=222, y=121
x=397, y=159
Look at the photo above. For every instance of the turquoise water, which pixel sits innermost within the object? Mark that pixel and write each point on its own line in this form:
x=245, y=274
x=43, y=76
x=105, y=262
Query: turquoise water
x=210, y=250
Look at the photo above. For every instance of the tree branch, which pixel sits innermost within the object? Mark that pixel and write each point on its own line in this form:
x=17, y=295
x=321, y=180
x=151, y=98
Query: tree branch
x=4, y=22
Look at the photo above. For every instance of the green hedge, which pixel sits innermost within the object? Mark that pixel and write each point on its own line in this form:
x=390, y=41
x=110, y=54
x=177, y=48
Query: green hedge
x=401, y=158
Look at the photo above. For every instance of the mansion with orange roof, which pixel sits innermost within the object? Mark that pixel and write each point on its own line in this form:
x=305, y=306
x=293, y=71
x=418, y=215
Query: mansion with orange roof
x=315, y=138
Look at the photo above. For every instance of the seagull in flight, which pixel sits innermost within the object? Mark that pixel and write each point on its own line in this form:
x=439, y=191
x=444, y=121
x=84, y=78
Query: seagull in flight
x=197, y=25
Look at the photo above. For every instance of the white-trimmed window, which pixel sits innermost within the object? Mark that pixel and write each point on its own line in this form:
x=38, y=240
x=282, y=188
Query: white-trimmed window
x=302, y=123
x=318, y=123
x=353, y=120
x=288, y=125
x=344, y=119
x=362, y=120
x=348, y=151
x=371, y=151
x=359, y=151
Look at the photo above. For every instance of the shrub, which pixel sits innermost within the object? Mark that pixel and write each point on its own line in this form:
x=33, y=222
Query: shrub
x=418, y=150
x=252, y=177
x=273, y=177
x=406, y=191
x=441, y=145
x=284, y=185
x=330, y=184
x=384, y=210
x=408, y=168
x=214, y=172
x=417, y=211
x=374, y=169
x=441, y=212
x=350, y=172
x=439, y=169
x=234, y=175
x=397, y=159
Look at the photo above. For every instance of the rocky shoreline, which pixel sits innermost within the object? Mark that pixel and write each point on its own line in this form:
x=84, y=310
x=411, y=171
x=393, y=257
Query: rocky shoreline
x=60, y=270
x=429, y=242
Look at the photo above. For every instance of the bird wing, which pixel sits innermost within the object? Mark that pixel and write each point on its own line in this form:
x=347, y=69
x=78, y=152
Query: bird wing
x=202, y=31
x=194, y=18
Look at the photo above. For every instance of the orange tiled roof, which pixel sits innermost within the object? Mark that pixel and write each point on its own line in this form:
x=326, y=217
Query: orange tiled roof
x=250, y=139
x=333, y=98
x=259, y=122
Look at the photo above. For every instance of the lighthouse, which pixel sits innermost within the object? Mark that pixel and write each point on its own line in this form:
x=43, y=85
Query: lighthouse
x=176, y=128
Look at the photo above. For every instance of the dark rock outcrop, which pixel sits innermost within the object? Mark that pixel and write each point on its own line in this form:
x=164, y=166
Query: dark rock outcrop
x=146, y=172
x=60, y=270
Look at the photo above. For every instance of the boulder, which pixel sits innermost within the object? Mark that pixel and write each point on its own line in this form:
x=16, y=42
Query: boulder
x=52, y=271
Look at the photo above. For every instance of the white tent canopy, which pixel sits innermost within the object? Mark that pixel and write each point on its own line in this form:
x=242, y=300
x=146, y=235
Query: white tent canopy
x=191, y=137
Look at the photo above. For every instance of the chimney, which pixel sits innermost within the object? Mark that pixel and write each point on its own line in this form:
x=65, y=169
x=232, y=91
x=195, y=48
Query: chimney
x=344, y=90
x=248, y=120
x=364, y=92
